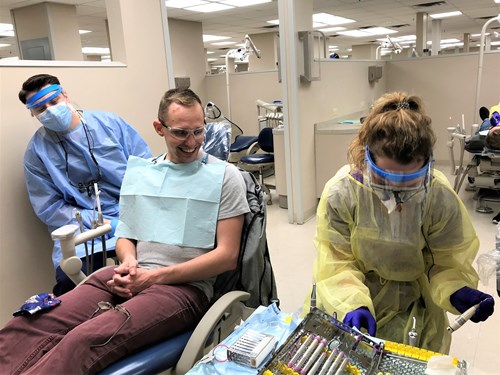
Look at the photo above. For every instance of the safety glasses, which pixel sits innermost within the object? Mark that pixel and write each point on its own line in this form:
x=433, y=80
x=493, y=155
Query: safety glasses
x=396, y=181
x=183, y=134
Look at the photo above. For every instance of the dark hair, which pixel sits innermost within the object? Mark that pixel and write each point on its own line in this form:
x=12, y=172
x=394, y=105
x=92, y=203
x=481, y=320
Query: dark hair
x=397, y=128
x=184, y=97
x=35, y=83
x=492, y=140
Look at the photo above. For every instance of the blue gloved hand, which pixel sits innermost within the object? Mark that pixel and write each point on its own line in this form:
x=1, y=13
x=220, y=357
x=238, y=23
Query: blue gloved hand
x=114, y=223
x=466, y=297
x=361, y=318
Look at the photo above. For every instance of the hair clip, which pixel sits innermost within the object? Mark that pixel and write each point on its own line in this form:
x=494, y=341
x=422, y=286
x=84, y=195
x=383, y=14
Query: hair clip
x=403, y=105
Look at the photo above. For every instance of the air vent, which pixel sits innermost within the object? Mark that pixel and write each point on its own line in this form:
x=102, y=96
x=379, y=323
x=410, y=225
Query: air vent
x=270, y=27
x=367, y=27
x=429, y=5
x=399, y=26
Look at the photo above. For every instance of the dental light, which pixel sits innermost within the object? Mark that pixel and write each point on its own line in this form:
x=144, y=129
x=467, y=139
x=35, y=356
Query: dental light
x=388, y=43
x=239, y=55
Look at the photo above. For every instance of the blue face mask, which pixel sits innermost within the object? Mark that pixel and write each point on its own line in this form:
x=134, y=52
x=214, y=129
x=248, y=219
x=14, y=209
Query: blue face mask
x=57, y=117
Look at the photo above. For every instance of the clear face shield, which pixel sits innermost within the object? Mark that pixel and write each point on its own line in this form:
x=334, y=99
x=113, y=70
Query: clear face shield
x=395, y=188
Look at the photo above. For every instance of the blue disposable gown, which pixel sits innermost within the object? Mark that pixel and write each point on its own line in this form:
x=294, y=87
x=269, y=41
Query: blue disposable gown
x=52, y=193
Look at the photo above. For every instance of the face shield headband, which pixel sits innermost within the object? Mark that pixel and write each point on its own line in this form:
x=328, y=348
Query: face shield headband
x=32, y=101
x=397, y=178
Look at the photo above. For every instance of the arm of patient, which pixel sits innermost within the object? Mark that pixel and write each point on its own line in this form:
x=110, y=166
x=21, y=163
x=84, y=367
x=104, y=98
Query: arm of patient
x=129, y=280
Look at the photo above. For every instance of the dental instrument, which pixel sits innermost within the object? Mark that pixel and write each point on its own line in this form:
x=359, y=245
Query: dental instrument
x=461, y=319
x=413, y=335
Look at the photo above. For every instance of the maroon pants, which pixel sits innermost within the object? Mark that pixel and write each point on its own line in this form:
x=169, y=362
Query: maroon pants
x=77, y=337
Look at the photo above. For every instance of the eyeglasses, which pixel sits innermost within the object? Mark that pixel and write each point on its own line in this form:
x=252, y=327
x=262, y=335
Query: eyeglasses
x=103, y=305
x=183, y=134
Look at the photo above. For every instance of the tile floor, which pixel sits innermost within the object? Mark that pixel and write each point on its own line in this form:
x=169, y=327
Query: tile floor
x=292, y=254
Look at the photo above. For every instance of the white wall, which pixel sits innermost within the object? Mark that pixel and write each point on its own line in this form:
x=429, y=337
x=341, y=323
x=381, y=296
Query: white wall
x=186, y=41
x=245, y=89
x=133, y=91
x=447, y=85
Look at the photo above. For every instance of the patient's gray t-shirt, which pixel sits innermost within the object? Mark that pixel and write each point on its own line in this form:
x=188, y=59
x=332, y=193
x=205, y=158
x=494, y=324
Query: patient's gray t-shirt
x=152, y=255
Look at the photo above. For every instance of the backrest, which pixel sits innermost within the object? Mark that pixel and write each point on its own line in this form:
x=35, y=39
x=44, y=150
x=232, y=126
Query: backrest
x=265, y=139
x=254, y=273
x=214, y=114
x=218, y=139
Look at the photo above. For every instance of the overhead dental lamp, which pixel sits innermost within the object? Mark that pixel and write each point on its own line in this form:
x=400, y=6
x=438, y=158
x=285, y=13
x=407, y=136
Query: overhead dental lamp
x=388, y=43
x=239, y=55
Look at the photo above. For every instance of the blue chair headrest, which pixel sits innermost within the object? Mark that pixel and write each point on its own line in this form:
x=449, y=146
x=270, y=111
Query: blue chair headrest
x=265, y=140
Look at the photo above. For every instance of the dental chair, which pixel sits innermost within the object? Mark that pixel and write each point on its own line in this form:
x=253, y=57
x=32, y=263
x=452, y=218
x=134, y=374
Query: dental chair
x=240, y=145
x=261, y=163
x=482, y=169
x=178, y=354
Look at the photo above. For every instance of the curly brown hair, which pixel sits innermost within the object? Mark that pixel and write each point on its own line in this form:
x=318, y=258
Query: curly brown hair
x=398, y=128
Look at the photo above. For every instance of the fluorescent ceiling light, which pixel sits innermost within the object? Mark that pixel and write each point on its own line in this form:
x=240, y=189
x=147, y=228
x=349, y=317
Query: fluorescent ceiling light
x=332, y=29
x=95, y=50
x=210, y=52
x=84, y=31
x=448, y=45
x=497, y=43
x=184, y=3
x=211, y=38
x=404, y=38
x=317, y=25
x=274, y=22
x=354, y=33
x=6, y=29
x=497, y=1
x=379, y=31
x=330, y=19
x=208, y=8
x=405, y=43
x=445, y=15
x=210, y=60
x=244, y=3
x=4, y=45
x=452, y=40
x=222, y=43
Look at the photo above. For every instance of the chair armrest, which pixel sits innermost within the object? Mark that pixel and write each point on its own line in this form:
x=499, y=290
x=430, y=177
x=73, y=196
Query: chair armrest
x=229, y=308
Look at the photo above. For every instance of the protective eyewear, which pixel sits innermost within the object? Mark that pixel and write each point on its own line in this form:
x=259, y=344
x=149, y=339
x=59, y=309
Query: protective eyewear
x=397, y=181
x=35, y=102
x=183, y=134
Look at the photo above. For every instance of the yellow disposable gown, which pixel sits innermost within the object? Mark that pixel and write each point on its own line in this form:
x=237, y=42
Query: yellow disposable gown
x=398, y=269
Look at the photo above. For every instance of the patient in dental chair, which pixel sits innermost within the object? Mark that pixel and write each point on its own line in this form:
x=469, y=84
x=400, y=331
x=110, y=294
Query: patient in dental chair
x=487, y=139
x=181, y=218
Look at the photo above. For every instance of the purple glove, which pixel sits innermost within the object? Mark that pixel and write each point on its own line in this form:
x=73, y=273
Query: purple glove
x=361, y=318
x=466, y=297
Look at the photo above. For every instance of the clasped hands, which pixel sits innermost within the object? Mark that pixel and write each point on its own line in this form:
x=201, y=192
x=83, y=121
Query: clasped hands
x=129, y=279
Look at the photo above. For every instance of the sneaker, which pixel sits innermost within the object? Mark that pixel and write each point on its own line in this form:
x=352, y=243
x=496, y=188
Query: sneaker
x=496, y=219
